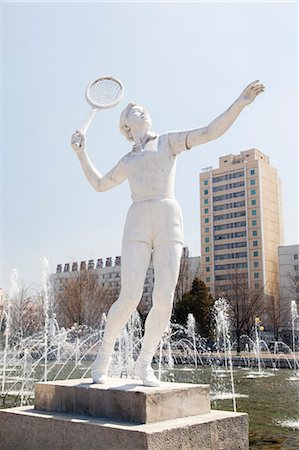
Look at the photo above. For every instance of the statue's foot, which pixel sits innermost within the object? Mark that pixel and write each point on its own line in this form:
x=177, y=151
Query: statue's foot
x=99, y=368
x=145, y=372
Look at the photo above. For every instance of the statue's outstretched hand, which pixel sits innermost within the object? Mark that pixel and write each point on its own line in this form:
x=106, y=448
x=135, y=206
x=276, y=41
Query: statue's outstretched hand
x=78, y=141
x=251, y=92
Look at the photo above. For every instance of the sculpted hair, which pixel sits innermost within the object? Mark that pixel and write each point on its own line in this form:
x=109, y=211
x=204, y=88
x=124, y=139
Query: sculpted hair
x=124, y=123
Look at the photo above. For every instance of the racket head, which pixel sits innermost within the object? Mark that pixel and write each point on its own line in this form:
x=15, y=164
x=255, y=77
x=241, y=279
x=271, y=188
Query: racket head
x=104, y=92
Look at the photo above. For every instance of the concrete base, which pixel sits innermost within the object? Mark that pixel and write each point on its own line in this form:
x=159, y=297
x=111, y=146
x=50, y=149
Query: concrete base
x=121, y=415
x=24, y=428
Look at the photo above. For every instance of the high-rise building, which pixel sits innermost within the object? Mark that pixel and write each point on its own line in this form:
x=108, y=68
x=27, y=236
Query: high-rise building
x=241, y=223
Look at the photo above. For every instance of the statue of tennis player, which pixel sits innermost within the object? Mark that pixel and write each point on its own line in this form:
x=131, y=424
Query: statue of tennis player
x=153, y=224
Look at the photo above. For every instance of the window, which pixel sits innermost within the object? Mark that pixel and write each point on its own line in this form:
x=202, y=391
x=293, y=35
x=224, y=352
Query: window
x=206, y=182
x=252, y=172
x=206, y=201
x=256, y=275
x=229, y=215
x=207, y=239
x=256, y=285
x=224, y=187
x=255, y=264
x=256, y=253
x=295, y=256
x=217, y=237
x=208, y=279
x=206, y=220
x=254, y=222
x=207, y=249
x=206, y=191
x=207, y=259
x=226, y=226
x=254, y=212
x=231, y=256
x=230, y=195
x=208, y=269
x=207, y=230
x=253, y=192
x=296, y=268
x=254, y=243
x=254, y=233
x=230, y=245
x=228, y=176
x=231, y=266
x=253, y=202
x=206, y=210
x=252, y=182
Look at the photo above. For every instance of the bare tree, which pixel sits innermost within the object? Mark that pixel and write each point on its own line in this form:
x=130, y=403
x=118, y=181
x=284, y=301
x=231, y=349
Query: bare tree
x=280, y=315
x=80, y=299
x=26, y=314
x=246, y=304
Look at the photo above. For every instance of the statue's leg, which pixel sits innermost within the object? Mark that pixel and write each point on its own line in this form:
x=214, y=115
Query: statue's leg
x=166, y=258
x=134, y=263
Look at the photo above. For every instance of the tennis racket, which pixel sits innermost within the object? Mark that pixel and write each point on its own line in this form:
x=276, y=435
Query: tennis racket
x=102, y=93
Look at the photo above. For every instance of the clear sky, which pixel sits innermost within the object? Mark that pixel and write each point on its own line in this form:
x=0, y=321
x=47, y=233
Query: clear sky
x=186, y=62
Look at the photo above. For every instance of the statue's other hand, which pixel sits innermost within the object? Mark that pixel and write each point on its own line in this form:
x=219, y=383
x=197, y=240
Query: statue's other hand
x=78, y=141
x=251, y=92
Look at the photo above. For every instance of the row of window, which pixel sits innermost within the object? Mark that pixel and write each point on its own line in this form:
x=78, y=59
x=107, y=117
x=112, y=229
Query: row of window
x=226, y=226
x=255, y=254
x=232, y=276
x=231, y=266
x=229, y=206
x=255, y=263
x=224, y=187
x=232, y=195
x=228, y=176
x=218, y=198
x=229, y=215
x=231, y=287
x=230, y=245
x=230, y=235
x=231, y=256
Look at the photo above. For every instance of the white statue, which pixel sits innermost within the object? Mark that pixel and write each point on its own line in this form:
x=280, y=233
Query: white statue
x=154, y=222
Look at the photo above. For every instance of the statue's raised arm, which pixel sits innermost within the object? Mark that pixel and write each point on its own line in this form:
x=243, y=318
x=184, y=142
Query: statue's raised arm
x=98, y=181
x=222, y=123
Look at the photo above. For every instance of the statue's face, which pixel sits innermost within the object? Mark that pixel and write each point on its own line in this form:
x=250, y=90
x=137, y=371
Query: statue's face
x=139, y=119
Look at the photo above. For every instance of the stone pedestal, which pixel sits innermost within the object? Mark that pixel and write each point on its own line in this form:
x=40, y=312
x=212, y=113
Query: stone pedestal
x=121, y=415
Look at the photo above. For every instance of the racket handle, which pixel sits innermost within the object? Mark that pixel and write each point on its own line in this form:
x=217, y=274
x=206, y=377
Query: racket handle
x=89, y=120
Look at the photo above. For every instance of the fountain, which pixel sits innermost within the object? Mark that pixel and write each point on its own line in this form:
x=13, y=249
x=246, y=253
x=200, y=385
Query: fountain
x=59, y=353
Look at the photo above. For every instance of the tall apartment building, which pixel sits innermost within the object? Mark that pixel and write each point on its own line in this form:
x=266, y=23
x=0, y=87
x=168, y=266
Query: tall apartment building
x=241, y=223
x=108, y=276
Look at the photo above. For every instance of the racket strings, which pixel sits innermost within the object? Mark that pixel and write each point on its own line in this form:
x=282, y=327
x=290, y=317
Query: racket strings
x=105, y=91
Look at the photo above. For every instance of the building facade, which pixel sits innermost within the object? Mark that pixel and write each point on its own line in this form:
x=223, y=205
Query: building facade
x=108, y=275
x=240, y=207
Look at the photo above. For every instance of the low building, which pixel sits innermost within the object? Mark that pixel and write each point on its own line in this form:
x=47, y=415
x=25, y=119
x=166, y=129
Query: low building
x=288, y=257
x=108, y=275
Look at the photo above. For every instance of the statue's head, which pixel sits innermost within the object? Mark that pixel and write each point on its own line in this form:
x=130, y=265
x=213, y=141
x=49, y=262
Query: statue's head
x=134, y=117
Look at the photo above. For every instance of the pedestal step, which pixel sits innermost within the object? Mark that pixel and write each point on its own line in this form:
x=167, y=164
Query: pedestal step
x=123, y=399
x=24, y=428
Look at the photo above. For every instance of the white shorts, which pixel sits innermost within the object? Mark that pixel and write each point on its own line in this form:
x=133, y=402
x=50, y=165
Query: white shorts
x=155, y=222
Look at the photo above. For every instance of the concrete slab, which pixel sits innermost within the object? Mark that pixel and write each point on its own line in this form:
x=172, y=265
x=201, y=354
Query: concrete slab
x=24, y=428
x=123, y=399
